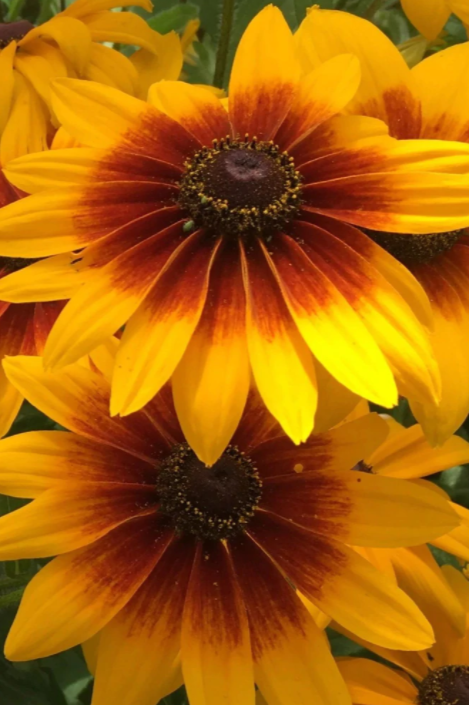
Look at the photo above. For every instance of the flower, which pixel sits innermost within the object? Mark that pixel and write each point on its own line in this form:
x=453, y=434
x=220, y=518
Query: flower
x=69, y=45
x=218, y=238
x=406, y=454
x=427, y=102
x=441, y=674
x=23, y=327
x=430, y=17
x=160, y=556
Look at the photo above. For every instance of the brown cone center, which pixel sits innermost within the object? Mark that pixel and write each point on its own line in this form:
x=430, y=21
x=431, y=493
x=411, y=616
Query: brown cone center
x=10, y=31
x=448, y=685
x=208, y=502
x=415, y=249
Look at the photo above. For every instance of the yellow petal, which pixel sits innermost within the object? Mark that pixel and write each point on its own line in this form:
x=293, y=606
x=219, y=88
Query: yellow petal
x=49, y=279
x=215, y=642
x=71, y=35
x=266, y=54
x=122, y=28
x=372, y=683
x=428, y=17
x=211, y=383
x=165, y=64
x=81, y=8
x=7, y=56
x=112, y=68
x=28, y=124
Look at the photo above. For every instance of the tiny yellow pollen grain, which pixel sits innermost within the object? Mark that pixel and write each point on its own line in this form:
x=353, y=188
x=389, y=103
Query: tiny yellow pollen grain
x=298, y=467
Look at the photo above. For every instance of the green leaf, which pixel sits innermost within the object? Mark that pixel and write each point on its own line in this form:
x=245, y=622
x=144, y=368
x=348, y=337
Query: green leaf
x=175, y=18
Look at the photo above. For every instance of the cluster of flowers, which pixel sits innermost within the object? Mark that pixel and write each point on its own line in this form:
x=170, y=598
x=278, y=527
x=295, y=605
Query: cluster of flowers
x=205, y=292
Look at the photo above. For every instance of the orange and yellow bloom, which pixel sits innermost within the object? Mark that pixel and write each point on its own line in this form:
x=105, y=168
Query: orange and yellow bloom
x=166, y=564
x=223, y=240
x=70, y=45
x=430, y=16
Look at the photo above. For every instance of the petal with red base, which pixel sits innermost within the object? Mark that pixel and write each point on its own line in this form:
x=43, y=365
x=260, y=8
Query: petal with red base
x=264, y=76
x=215, y=644
x=157, y=335
x=138, y=651
x=77, y=594
x=282, y=365
x=211, y=383
x=292, y=661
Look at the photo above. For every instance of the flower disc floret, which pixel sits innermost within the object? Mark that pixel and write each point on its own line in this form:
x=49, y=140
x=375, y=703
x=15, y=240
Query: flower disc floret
x=241, y=186
x=208, y=502
x=448, y=685
x=13, y=31
x=416, y=249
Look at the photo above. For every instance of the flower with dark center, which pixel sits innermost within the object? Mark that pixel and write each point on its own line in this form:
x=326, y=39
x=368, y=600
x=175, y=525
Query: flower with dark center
x=219, y=234
x=439, y=676
x=425, y=103
x=70, y=44
x=448, y=685
x=171, y=565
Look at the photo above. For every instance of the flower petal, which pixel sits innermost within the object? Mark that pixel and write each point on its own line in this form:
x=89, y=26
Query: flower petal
x=197, y=109
x=360, y=509
x=281, y=363
x=15, y=334
x=387, y=316
x=429, y=18
x=28, y=123
x=78, y=399
x=386, y=90
x=7, y=55
x=70, y=516
x=343, y=585
x=157, y=335
x=372, y=683
x=215, y=644
x=35, y=461
x=396, y=201
x=211, y=383
x=323, y=93
x=138, y=652
x=292, y=661
x=339, y=449
x=71, y=35
x=119, y=119
x=264, y=76
x=111, y=68
x=47, y=280
x=112, y=294
x=456, y=541
x=121, y=28
x=408, y=454
x=329, y=325
x=165, y=65
x=77, y=594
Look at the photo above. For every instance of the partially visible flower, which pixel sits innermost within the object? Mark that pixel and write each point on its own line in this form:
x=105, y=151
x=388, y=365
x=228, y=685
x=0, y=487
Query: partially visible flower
x=437, y=676
x=70, y=45
x=167, y=564
x=430, y=16
x=189, y=36
x=426, y=103
x=24, y=327
x=220, y=239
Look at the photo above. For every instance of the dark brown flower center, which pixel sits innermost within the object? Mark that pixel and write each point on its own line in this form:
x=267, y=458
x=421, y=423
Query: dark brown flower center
x=10, y=31
x=448, y=685
x=240, y=188
x=209, y=503
x=415, y=249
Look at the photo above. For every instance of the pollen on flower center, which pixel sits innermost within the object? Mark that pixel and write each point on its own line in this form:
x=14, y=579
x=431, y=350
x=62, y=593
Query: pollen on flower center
x=415, y=249
x=208, y=502
x=241, y=187
x=448, y=685
x=10, y=31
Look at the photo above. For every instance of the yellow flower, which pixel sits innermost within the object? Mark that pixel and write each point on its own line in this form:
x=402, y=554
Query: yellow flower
x=440, y=674
x=428, y=102
x=222, y=239
x=166, y=564
x=430, y=16
x=69, y=45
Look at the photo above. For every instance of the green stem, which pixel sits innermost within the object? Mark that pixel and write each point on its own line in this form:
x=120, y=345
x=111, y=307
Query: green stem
x=224, y=42
x=15, y=8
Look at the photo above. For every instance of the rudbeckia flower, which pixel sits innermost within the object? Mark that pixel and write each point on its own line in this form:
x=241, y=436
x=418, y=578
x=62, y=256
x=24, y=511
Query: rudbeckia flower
x=406, y=454
x=439, y=676
x=23, y=327
x=219, y=239
x=428, y=102
x=430, y=16
x=69, y=45
x=166, y=564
